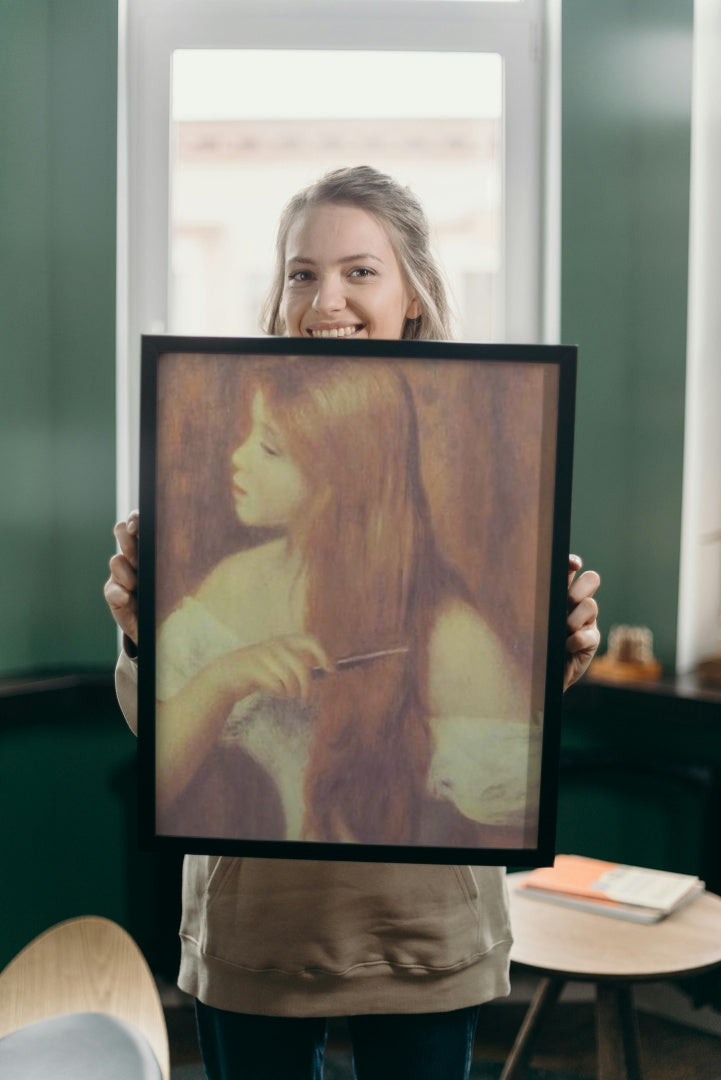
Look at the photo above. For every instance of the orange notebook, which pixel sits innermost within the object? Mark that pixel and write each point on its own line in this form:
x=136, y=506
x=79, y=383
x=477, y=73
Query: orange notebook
x=631, y=892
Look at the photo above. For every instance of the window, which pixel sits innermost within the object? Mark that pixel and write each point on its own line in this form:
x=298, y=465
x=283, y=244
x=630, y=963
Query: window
x=235, y=161
x=227, y=107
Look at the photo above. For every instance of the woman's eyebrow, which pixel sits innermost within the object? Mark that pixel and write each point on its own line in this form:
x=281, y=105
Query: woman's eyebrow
x=361, y=257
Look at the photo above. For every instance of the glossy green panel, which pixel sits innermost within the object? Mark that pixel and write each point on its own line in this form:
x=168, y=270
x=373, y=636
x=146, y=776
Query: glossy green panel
x=58, y=74
x=82, y=222
x=626, y=144
x=26, y=481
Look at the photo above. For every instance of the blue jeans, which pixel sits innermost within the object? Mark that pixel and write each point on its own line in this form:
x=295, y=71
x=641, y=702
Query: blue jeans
x=415, y=1046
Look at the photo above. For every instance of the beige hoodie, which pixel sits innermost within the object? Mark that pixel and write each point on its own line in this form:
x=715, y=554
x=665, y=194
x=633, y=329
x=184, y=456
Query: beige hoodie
x=297, y=938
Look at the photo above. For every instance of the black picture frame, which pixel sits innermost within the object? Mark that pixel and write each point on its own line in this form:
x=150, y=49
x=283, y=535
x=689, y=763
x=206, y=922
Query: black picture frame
x=493, y=428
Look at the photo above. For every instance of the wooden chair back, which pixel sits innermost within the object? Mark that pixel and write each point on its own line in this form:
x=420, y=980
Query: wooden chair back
x=87, y=964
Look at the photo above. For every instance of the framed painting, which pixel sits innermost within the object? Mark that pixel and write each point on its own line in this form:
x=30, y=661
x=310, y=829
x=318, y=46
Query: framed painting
x=352, y=597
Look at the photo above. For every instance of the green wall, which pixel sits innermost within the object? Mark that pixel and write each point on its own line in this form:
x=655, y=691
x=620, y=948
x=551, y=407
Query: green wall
x=626, y=146
x=58, y=73
x=67, y=774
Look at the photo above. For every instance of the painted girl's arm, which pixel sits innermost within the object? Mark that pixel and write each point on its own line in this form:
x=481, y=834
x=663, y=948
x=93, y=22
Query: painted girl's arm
x=189, y=723
x=486, y=746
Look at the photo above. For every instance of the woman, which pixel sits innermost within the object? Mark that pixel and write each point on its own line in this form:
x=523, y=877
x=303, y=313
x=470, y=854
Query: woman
x=272, y=948
x=332, y=459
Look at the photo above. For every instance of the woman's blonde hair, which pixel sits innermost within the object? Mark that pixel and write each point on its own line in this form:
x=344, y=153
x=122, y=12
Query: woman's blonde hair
x=402, y=216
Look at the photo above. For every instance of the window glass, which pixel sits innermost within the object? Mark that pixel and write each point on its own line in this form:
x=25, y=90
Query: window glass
x=251, y=127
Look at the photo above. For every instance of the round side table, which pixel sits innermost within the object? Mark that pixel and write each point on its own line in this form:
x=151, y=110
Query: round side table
x=563, y=944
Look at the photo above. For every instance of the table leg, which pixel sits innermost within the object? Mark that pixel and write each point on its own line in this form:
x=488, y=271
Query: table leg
x=545, y=997
x=617, y=1033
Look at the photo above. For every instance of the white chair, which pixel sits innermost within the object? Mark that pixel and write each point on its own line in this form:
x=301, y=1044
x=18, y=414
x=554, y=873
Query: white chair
x=80, y=1002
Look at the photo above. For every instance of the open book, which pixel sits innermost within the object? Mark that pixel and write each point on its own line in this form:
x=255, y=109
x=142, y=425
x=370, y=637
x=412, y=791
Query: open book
x=608, y=888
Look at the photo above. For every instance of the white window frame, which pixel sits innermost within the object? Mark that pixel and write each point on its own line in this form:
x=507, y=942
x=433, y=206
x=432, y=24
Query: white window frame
x=699, y=598
x=526, y=34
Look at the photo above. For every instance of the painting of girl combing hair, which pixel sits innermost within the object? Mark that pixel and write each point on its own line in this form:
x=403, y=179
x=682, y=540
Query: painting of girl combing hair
x=335, y=661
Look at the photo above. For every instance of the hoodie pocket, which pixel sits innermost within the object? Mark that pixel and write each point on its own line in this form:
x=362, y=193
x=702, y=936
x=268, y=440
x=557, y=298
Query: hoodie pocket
x=203, y=877
x=468, y=884
x=296, y=916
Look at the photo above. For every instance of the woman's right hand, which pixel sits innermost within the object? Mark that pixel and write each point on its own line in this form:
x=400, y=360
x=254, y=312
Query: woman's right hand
x=121, y=587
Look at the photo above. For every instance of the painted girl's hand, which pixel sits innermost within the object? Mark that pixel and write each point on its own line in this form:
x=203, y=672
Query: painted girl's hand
x=121, y=587
x=189, y=724
x=281, y=667
x=583, y=635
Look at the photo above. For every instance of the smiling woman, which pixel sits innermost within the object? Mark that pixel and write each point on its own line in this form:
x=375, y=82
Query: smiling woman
x=249, y=669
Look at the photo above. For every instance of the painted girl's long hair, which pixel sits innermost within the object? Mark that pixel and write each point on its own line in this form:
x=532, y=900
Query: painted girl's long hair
x=374, y=580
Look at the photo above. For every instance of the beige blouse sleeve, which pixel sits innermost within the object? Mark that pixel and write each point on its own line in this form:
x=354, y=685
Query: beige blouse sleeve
x=126, y=688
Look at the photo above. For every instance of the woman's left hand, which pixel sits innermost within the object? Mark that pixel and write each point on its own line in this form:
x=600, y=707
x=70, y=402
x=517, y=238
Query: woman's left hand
x=582, y=633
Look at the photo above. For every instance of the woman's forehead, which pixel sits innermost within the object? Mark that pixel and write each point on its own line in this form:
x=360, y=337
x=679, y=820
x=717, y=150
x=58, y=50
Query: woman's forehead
x=332, y=232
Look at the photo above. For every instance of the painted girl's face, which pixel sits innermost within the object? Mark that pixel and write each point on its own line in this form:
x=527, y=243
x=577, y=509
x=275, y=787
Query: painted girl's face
x=342, y=277
x=268, y=487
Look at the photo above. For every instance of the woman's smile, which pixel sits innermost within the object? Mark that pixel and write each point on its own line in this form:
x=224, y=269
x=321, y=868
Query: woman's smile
x=324, y=331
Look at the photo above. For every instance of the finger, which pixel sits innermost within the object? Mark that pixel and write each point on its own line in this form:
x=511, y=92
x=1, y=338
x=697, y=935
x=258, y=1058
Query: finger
x=278, y=675
x=298, y=666
x=586, y=585
x=122, y=608
x=311, y=649
x=583, y=641
x=127, y=542
x=583, y=614
x=117, y=597
x=123, y=572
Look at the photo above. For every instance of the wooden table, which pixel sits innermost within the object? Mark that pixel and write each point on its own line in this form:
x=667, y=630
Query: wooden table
x=563, y=944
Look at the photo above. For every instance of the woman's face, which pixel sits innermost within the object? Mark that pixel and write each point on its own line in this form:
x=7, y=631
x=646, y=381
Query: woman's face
x=268, y=487
x=342, y=277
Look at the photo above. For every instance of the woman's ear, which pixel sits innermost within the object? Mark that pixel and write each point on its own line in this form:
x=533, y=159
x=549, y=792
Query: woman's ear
x=415, y=309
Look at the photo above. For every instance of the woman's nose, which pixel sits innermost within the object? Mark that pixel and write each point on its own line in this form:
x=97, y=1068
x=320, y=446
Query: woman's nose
x=329, y=296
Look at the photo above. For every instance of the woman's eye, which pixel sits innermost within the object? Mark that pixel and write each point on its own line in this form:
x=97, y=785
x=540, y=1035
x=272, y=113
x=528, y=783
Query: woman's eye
x=269, y=450
x=362, y=272
x=300, y=276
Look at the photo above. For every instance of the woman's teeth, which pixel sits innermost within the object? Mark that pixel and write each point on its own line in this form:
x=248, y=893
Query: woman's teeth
x=337, y=331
